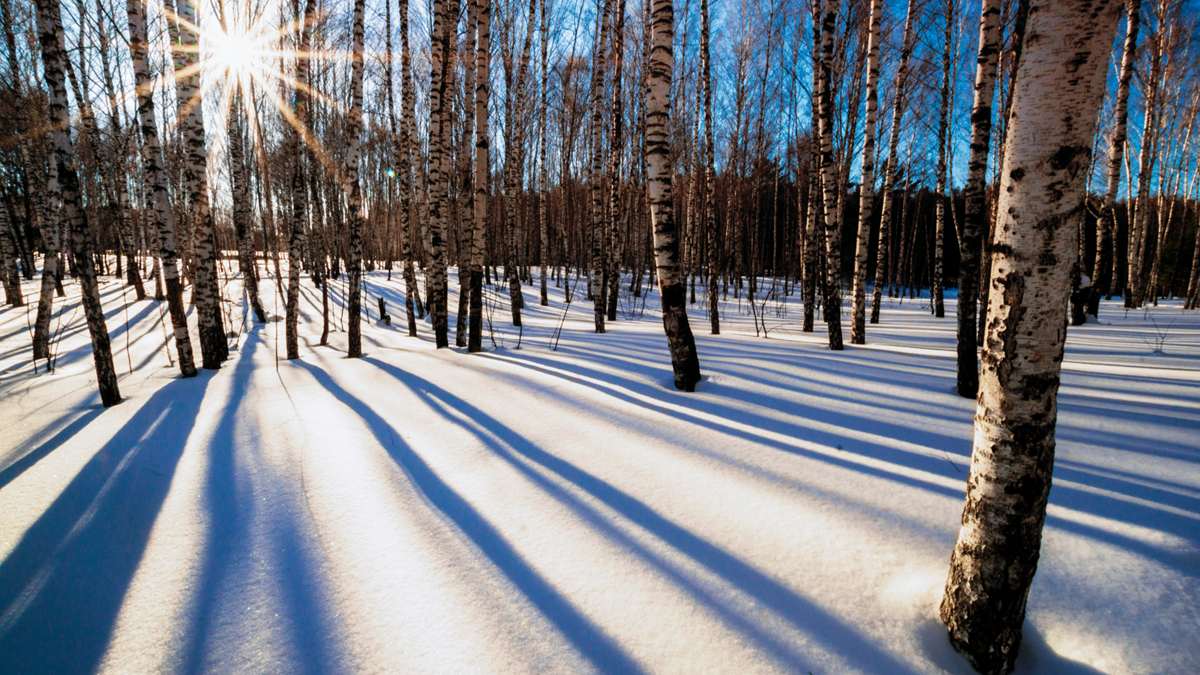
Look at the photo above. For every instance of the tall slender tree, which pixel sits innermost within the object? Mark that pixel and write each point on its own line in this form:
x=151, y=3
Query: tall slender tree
x=866, y=190
x=65, y=183
x=1060, y=88
x=354, y=189
x=975, y=218
x=939, y=308
x=301, y=154
x=659, y=172
x=483, y=55
x=598, y=283
x=830, y=183
x=163, y=218
x=213, y=346
x=710, y=172
x=1103, y=281
x=890, y=168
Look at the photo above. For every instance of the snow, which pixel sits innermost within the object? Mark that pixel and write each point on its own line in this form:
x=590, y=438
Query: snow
x=538, y=510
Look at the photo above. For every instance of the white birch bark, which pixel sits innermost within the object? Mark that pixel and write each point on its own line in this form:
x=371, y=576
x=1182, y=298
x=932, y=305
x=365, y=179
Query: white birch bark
x=889, y=169
x=354, y=189
x=163, y=220
x=866, y=191
x=483, y=57
x=213, y=346
x=659, y=173
x=1047, y=156
x=1104, y=279
x=975, y=218
x=65, y=184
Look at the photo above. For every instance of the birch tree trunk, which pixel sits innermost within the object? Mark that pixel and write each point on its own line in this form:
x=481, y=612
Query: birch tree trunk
x=163, y=219
x=710, y=172
x=243, y=215
x=404, y=163
x=830, y=183
x=353, y=154
x=939, y=308
x=438, y=173
x=213, y=346
x=659, y=173
x=65, y=184
x=12, y=277
x=1104, y=280
x=125, y=231
x=1060, y=88
x=483, y=55
x=543, y=170
x=597, y=281
x=975, y=220
x=889, y=169
x=1148, y=156
x=612, y=273
x=300, y=152
x=866, y=192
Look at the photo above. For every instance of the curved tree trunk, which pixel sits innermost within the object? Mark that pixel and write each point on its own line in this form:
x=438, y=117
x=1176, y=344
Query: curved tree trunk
x=1060, y=88
x=659, y=173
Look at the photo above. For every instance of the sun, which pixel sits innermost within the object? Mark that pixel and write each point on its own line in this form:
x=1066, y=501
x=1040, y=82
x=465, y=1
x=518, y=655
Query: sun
x=238, y=52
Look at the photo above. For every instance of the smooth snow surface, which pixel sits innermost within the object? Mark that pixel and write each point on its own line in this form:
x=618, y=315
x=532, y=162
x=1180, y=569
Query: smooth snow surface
x=532, y=510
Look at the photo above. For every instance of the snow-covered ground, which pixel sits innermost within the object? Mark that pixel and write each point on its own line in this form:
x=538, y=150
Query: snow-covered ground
x=538, y=510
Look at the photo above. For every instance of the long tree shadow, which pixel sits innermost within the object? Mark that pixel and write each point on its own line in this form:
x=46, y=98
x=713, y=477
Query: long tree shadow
x=63, y=584
x=637, y=393
x=803, y=614
x=235, y=517
x=588, y=639
x=32, y=457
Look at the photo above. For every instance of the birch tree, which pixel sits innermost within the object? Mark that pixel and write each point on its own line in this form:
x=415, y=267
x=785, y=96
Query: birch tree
x=1104, y=281
x=354, y=188
x=889, y=169
x=975, y=218
x=439, y=164
x=710, y=172
x=163, y=223
x=213, y=347
x=483, y=55
x=299, y=152
x=939, y=309
x=866, y=191
x=597, y=281
x=65, y=184
x=1060, y=88
x=832, y=301
x=659, y=173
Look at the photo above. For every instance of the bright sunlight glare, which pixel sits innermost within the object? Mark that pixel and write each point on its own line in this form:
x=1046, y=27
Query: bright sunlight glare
x=237, y=51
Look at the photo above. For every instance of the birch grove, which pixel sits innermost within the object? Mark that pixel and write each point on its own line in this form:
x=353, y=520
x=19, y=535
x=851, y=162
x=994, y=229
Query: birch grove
x=703, y=160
